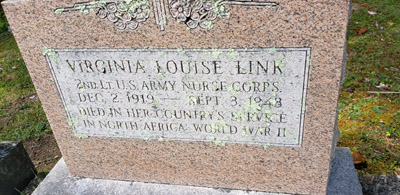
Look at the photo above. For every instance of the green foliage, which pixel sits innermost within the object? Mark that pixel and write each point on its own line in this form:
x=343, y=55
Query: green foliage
x=379, y=109
x=3, y=21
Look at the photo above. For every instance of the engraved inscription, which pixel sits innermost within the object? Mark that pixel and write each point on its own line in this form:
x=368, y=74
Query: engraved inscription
x=250, y=96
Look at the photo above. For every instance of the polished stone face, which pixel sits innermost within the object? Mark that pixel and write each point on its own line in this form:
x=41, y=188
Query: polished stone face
x=116, y=88
x=252, y=96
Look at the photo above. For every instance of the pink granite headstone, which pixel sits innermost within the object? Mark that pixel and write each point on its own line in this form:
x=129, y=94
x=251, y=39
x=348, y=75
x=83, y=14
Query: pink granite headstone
x=227, y=94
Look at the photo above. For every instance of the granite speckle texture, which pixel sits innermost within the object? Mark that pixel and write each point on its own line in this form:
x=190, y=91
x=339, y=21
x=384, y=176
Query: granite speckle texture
x=58, y=181
x=342, y=181
x=316, y=24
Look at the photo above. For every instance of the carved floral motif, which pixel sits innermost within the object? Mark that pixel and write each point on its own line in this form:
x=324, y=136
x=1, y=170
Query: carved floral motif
x=128, y=14
x=124, y=16
x=180, y=10
x=194, y=12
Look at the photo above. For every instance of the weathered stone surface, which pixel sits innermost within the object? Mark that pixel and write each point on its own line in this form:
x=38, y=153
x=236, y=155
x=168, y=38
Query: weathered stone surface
x=380, y=184
x=47, y=27
x=187, y=95
x=343, y=181
x=16, y=168
x=58, y=181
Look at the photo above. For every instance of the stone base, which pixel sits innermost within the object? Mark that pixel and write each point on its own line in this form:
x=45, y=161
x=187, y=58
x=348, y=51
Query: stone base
x=343, y=180
x=380, y=184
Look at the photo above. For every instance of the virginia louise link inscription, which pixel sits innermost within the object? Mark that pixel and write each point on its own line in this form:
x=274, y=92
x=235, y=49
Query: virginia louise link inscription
x=251, y=96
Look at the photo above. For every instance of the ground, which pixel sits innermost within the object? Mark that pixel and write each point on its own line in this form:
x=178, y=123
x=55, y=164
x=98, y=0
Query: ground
x=369, y=104
x=369, y=120
x=43, y=152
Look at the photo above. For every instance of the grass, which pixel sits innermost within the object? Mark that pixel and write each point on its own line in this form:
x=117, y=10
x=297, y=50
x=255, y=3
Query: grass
x=21, y=114
x=369, y=123
x=374, y=57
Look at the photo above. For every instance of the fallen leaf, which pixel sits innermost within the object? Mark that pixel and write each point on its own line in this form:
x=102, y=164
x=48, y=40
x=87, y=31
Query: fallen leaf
x=362, y=31
x=390, y=23
x=357, y=158
x=372, y=13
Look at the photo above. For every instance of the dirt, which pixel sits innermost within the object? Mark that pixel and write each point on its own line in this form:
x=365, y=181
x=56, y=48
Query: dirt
x=17, y=105
x=43, y=152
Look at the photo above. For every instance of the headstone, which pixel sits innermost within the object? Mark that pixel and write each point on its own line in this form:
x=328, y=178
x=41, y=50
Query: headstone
x=16, y=168
x=225, y=94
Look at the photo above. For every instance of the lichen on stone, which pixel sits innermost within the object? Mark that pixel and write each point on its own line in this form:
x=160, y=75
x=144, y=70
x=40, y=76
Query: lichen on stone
x=272, y=51
x=215, y=53
x=59, y=11
x=180, y=51
x=51, y=53
x=309, y=63
x=232, y=91
x=80, y=136
x=232, y=54
x=72, y=122
x=216, y=141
